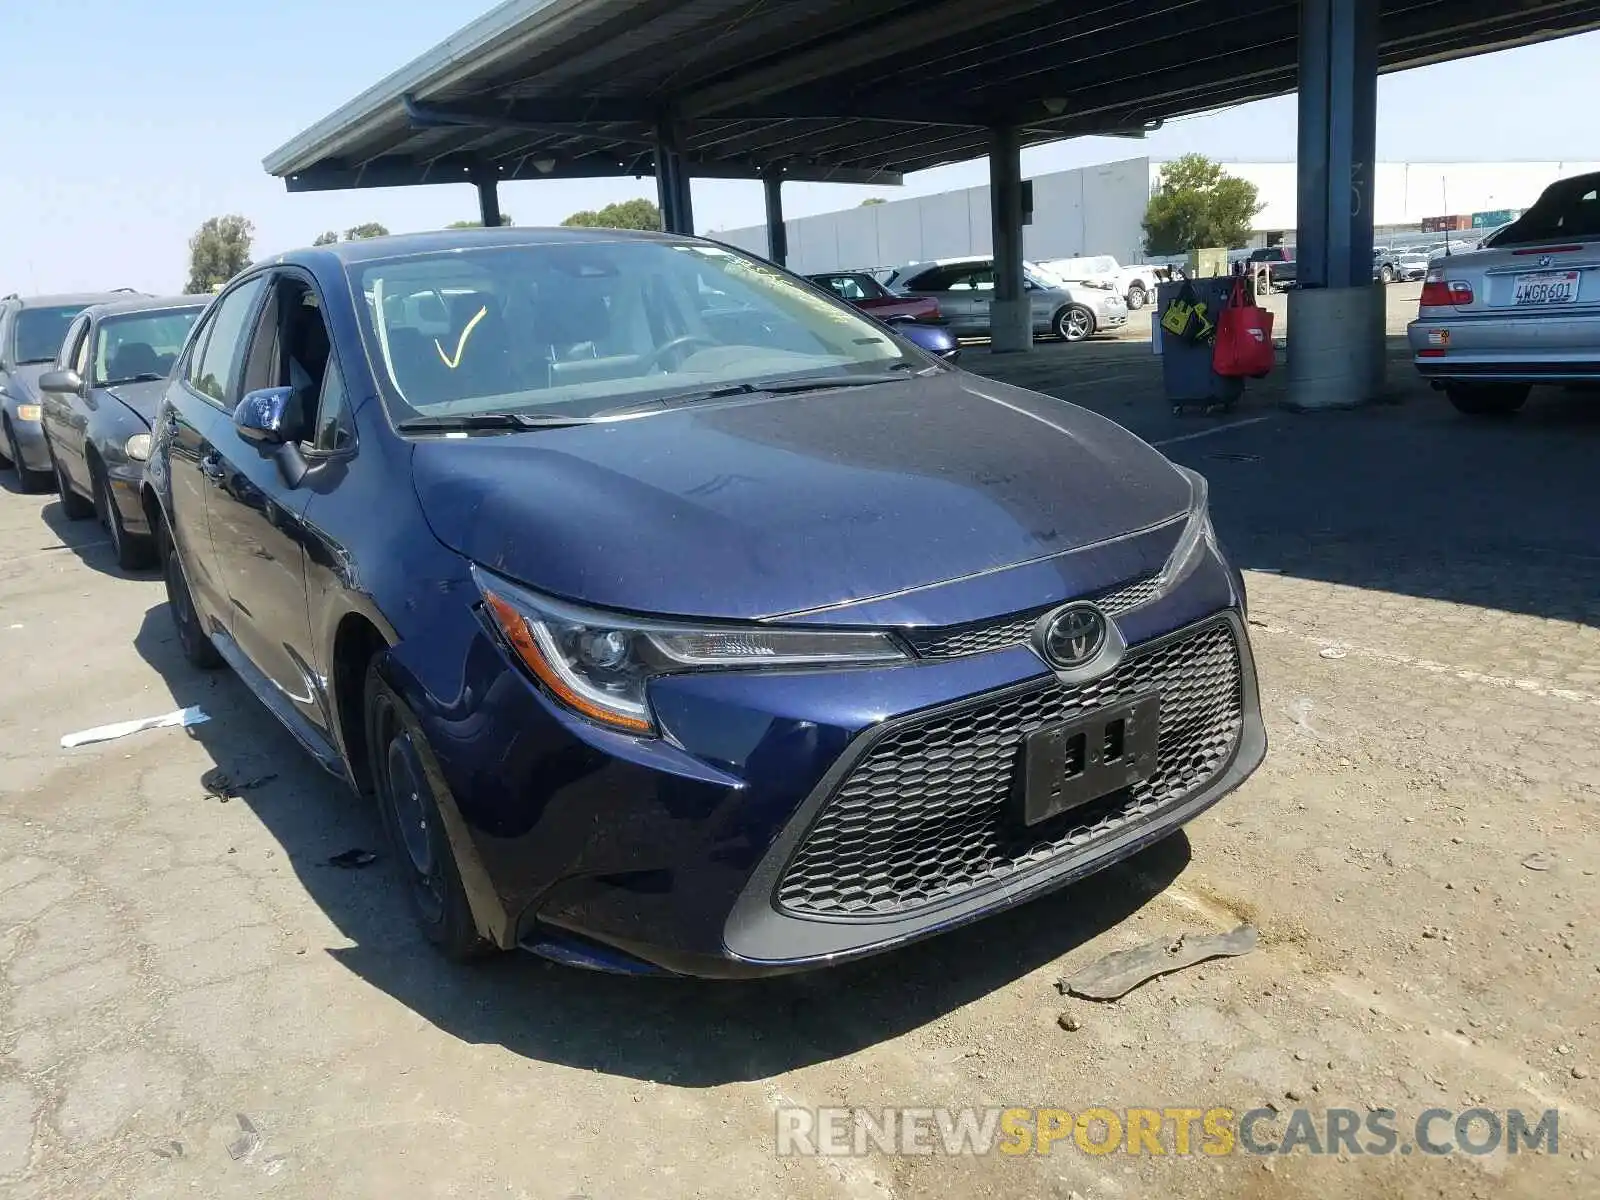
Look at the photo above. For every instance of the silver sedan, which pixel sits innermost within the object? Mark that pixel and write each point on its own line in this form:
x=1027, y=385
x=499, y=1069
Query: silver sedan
x=1523, y=310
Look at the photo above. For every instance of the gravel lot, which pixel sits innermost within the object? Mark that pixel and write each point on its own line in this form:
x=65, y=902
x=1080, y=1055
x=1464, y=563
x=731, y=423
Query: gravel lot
x=193, y=1002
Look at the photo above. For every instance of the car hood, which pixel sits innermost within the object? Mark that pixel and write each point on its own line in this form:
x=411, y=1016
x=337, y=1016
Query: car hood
x=772, y=506
x=142, y=398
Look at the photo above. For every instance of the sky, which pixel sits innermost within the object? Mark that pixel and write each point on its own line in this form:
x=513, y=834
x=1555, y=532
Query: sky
x=124, y=126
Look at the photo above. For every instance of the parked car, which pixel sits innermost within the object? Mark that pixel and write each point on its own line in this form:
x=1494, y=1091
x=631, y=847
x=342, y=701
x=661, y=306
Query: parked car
x=964, y=288
x=866, y=293
x=31, y=329
x=1493, y=322
x=717, y=641
x=96, y=408
x=935, y=339
x=1397, y=263
x=1136, y=285
x=1280, y=264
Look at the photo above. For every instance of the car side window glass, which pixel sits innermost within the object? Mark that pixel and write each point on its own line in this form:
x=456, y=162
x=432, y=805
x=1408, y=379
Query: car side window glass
x=333, y=430
x=74, y=350
x=211, y=370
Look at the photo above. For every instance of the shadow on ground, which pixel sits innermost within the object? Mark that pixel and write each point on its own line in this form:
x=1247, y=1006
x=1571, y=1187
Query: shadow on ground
x=1408, y=496
x=686, y=1032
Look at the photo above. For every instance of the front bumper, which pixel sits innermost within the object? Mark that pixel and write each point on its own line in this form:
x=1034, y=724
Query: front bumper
x=1508, y=347
x=1112, y=312
x=678, y=854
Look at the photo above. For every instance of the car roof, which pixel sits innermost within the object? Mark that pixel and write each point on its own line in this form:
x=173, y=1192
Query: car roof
x=398, y=245
x=64, y=299
x=137, y=304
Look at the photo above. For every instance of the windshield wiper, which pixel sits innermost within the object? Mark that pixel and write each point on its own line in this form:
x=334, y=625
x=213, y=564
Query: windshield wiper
x=770, y=387
x=467, y=422
x=141, y=377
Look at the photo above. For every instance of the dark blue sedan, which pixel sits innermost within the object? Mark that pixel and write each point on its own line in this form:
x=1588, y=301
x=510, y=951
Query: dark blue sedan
x=678, y=617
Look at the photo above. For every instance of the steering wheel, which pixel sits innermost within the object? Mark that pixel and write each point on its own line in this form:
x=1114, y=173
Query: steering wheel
x=674, y=345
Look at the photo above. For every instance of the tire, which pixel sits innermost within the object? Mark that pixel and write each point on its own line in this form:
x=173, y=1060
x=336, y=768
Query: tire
x=1137, y=297
x=27, y=481
x=1074, y=323
x=73, y=506
x=406, y=780
x=1386, y=274
x=192, y=638
x=1488, y=399
x=134, y=552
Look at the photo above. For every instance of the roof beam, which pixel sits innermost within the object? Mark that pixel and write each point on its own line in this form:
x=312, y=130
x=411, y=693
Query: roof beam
x=396, y=171
x=503, y=117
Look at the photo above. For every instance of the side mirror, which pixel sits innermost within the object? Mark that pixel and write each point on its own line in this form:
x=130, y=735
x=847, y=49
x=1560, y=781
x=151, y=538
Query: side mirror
x=68, y=382
x=268, y=417
x=898, y=319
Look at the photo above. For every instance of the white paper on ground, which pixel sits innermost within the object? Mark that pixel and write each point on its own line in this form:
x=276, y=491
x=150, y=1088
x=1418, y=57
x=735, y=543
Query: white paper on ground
x=105, y=733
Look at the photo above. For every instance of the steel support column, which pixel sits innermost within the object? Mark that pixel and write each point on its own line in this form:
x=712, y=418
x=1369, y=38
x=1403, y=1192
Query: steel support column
x=672, y=180
x=1336, y=348
x=777, y=232
x=1010, y=326
x=488, y=201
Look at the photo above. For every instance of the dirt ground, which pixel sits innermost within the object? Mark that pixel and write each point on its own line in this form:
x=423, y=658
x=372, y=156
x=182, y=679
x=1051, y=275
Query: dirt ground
x=193, y=1002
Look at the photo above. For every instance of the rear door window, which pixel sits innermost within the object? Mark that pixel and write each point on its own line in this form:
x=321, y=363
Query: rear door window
x=218, y=348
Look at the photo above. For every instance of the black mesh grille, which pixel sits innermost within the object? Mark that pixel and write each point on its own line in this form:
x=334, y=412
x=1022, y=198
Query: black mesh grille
x=926, y=814
x=948, y=642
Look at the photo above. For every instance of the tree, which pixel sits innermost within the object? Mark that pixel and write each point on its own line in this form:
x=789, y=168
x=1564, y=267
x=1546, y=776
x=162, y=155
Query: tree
x=628, y=214
x=871, y=200
x=369, y=230
x=505, y=219
x=1197, y=204
x=218, y=251
x=326, y=239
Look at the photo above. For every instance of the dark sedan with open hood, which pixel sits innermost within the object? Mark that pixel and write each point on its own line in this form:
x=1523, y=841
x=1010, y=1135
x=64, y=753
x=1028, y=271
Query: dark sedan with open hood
x=677, y=616
x=96, y=406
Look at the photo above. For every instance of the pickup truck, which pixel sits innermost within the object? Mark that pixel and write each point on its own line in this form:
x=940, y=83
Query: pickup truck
x=1137, y=284
x=1280, y=264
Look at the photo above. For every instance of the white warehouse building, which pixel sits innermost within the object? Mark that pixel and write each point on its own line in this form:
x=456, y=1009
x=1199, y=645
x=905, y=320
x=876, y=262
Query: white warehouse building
x=1098, y=210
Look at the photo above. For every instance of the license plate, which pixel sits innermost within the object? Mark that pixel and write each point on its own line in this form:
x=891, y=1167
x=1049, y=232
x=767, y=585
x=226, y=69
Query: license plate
x=1067, y=766
x=1547, y=287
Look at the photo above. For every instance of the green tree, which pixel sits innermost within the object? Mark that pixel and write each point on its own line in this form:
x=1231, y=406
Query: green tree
x=369, y=230
x=628, y=214
x=218, y=251
x=505, y=219
x=326, y=239
x=1197, y=203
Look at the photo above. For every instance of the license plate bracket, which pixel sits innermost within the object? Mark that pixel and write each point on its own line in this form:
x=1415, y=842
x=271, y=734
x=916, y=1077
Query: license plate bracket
x=1066, y=766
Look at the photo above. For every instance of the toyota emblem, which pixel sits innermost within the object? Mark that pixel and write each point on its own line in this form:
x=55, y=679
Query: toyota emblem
x=1078, y=641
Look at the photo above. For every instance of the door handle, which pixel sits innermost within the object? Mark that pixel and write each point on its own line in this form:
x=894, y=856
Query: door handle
x=211, y=467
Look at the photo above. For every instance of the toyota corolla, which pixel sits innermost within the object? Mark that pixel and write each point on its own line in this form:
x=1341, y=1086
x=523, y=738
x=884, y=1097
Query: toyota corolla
x=677, y=617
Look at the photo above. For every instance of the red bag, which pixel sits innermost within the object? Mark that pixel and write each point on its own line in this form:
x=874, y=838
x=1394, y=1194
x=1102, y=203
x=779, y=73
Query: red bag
x=1244, y=338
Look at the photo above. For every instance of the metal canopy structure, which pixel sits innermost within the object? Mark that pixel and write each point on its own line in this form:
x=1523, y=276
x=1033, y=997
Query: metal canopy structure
x=850, y=91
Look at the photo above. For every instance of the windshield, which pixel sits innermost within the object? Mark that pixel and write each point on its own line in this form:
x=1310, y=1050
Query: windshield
x=577, y=329
x=140, y=345
x=1569, y=209
x=39, y=332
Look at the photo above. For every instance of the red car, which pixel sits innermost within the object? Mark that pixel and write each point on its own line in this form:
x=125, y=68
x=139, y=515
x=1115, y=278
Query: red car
x=871, y=297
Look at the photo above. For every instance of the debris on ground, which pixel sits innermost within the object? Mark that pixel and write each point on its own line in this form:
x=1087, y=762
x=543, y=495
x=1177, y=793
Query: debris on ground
x=1069, y=1022
x=105, y=733
x=355, y=857
x=247, y=1142
x=170, y=1150
x=1333, y=652
x=220, y=785
x=1539, y=861
x=1118, y=973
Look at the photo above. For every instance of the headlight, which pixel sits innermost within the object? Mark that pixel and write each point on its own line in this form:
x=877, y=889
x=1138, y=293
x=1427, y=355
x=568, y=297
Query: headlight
x=1098, y=284
x=138, y=447
x=1197, y=540
x=27, y=412
x=599, y=664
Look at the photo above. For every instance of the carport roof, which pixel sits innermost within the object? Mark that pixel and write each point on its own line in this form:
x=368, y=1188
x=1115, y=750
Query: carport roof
x=855, y=91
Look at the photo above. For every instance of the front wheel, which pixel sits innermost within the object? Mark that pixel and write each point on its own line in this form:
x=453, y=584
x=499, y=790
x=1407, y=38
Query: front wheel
x=134, y=551
x=1137, y=297
x=1488, y=399
x=1386, y=274
x=408, y=782
x=1074, y=323
x=192, y=639
x=27, y=480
